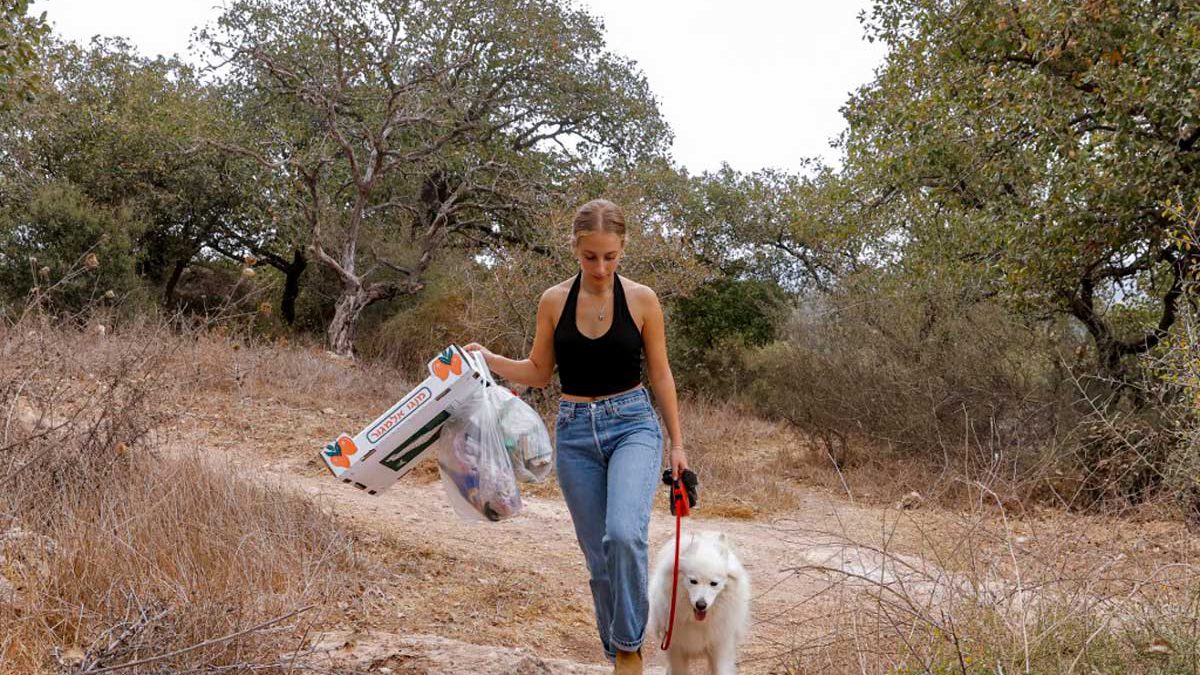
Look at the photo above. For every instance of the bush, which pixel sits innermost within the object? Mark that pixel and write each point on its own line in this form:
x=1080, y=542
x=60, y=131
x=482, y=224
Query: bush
x=407, y=333
x=1144, y=444
x=713, y=327
x=52, y=237
x=922, y=370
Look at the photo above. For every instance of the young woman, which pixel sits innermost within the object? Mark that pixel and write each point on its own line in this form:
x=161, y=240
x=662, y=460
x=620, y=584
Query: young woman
x=595, y=327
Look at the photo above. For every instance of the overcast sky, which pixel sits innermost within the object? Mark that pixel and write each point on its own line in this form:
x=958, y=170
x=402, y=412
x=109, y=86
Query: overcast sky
x=755, y=83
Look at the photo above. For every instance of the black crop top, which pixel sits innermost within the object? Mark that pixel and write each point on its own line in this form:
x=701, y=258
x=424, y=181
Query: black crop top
x=609, y=364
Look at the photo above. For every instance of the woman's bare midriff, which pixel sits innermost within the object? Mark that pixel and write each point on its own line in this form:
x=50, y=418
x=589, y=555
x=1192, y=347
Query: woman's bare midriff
x=592, y=399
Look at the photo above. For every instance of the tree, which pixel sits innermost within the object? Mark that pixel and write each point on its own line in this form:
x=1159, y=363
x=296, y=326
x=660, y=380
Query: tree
x=1029, y=148
x=799, y=231
x=20, y=36
x=122, y=129
x=397, y=126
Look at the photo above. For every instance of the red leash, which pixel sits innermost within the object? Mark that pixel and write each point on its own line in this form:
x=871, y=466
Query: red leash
x=679, y=496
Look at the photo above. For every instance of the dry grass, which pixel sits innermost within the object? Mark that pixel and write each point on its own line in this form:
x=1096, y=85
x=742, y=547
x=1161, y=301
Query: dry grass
x=302, y=376
x=1051, y=593
x=114, y=552
x=120, y=549
x=732, y=453
x=282, y=400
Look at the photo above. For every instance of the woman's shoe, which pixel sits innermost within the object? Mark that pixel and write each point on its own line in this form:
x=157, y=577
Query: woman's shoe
x=629, y=663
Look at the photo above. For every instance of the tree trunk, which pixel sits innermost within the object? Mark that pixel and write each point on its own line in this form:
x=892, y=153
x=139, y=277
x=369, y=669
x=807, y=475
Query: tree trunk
x=291, y=286
x=172, y=282
x=1111, y=351
x=354, y=299
x=344, y=325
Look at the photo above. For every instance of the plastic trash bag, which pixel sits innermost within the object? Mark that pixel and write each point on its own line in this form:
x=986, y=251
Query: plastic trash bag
x=473, y=461
x=474, y=465
x=525, y=436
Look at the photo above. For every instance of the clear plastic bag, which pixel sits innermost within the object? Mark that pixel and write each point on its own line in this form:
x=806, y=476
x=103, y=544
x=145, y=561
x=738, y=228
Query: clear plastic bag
x=473, y=461
x=525, y=436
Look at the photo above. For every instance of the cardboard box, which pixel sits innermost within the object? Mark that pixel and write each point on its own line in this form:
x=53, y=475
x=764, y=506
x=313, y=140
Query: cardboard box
x=391, y=446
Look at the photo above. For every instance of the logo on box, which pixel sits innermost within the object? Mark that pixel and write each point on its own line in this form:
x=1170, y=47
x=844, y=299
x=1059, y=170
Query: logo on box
x=397, y=415
x=447, y=362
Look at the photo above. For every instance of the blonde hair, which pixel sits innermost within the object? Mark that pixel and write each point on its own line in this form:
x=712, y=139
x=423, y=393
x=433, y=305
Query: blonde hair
x=598, y=215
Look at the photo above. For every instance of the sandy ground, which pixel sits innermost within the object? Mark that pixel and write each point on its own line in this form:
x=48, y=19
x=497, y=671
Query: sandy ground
x=512, y=597
x=434, y=594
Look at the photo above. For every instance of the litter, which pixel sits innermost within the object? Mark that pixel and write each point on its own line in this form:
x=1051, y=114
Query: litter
x=485, y=437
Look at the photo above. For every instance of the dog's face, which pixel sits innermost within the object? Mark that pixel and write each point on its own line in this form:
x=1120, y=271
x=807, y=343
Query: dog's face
x=704, y=570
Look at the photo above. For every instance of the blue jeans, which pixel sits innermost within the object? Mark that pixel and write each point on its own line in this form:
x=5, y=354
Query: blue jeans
x=608, y=458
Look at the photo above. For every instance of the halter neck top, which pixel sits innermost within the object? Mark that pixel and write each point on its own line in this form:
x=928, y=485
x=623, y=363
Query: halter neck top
x=600, y=366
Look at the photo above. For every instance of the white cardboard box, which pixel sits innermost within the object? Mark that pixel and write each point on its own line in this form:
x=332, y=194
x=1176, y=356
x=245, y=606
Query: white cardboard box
x=392, y=445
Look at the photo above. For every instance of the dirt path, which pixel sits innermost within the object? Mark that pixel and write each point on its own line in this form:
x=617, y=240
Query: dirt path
x=788, y=606
x=445, y=589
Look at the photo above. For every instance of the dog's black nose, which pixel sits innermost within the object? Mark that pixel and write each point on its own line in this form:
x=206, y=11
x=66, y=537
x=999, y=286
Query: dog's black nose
x=701, y=605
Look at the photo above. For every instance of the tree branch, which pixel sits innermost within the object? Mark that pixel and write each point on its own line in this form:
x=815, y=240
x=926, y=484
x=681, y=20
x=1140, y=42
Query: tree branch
x=503, y=236
x=1141, y=264
x=201, y=645
x=1170, y=304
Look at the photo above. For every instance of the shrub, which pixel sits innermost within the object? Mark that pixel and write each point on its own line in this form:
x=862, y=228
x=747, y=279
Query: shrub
x=53, y=236
x=116, y=545
x=713, y=326
x=923, y=370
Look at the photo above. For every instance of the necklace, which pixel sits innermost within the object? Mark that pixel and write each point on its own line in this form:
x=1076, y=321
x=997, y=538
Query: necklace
x=603, y=306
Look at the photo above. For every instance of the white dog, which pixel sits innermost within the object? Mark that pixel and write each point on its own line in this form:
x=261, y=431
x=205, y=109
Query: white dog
x=712, y=607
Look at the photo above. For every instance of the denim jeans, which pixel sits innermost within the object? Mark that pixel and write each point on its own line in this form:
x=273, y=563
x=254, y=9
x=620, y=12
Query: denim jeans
x=608, y=458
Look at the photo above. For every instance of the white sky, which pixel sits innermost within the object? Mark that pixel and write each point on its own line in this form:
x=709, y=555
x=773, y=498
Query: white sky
x=755, y=83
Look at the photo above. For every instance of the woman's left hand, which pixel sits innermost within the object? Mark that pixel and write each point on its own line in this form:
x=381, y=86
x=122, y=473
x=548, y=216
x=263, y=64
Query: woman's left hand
x=678, y=462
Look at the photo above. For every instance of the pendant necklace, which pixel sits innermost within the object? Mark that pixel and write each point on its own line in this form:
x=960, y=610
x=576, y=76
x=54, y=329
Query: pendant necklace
x=603, y=306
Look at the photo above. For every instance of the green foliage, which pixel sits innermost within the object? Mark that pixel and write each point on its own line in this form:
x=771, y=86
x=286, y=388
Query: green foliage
x=20, y=36
x=712, y=328
x=1033, y=144
x=801, y=231
x=124, y=130
x=46, y=243
x=723, y=308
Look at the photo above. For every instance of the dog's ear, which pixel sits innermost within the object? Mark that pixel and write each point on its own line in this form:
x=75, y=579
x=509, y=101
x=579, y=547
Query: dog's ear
x=690, y=543
x=727, y=545
x=734, y=570
x=723, y=544
x=732, y=563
